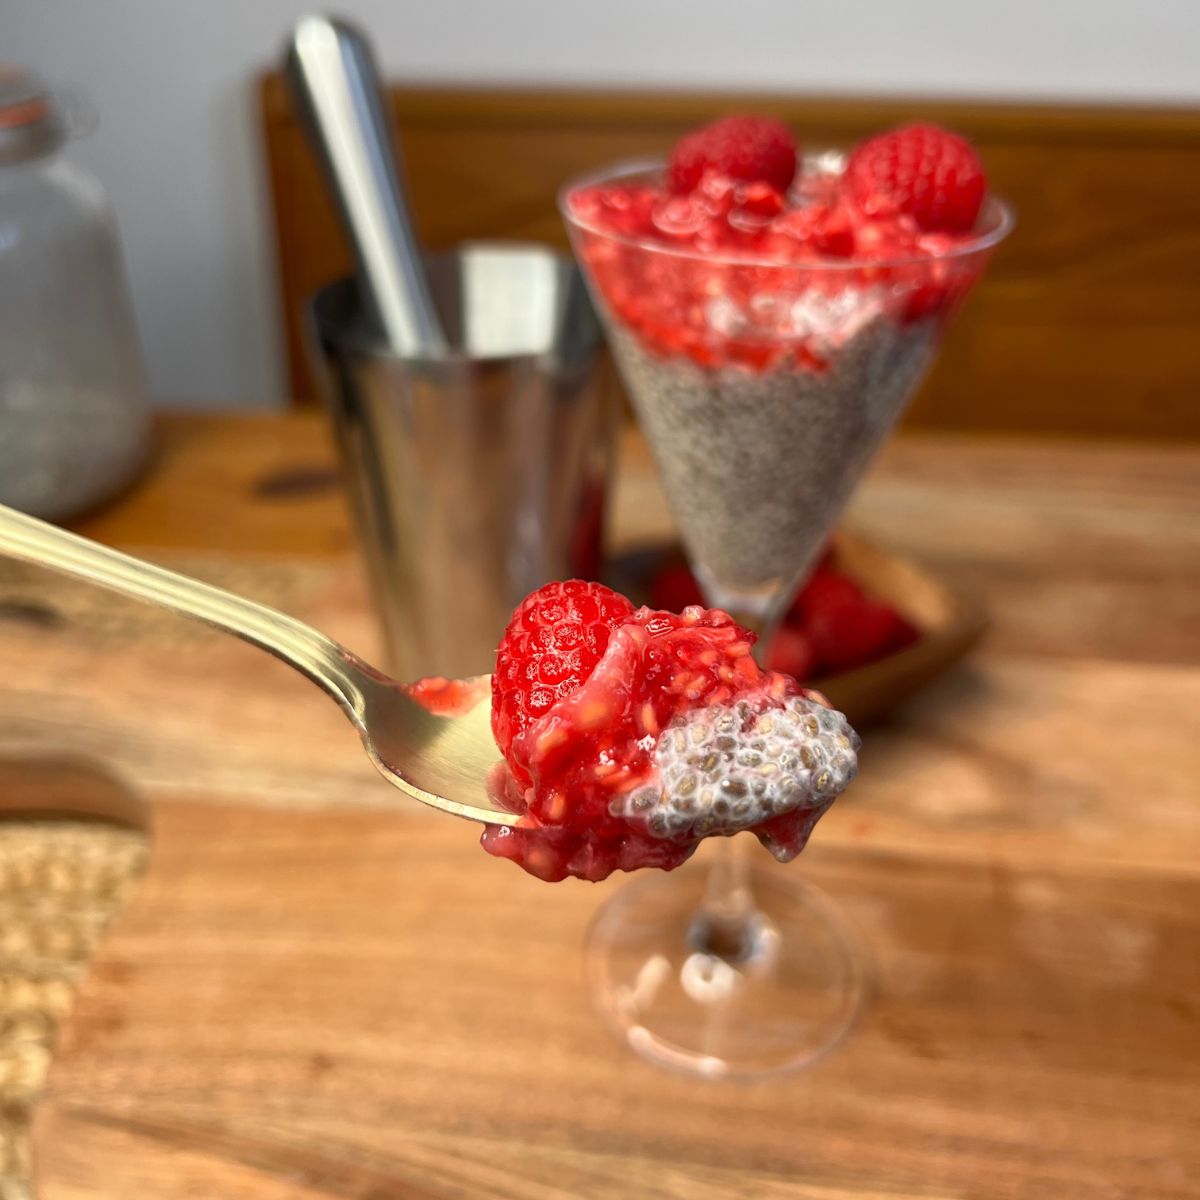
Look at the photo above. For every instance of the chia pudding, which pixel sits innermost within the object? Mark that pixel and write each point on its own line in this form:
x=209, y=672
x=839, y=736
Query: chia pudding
x=723, y=768
x=757, y=465
x=771, y=313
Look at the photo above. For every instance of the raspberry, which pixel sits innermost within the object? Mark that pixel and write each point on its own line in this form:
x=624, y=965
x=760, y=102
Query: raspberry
x=919, y=171
x=674, y=588
x=716, y=192
x=826, y=589
x=792, y=653
x=830, y=231
x=679, y=216
x=745, y=149
x=848, y=635
x=554, y=640
x=759, y=199
x=840, y=626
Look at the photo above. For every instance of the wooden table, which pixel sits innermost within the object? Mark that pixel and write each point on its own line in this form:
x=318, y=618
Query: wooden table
x=324, y=991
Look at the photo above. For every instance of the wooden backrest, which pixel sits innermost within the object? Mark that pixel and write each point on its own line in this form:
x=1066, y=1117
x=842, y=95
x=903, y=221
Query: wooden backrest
x=1088, y=321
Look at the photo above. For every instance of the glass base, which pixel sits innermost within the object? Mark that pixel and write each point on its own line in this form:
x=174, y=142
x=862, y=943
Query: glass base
x=773, y=988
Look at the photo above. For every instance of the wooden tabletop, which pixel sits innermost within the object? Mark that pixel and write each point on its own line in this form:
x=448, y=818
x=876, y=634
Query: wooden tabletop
x=324, y=991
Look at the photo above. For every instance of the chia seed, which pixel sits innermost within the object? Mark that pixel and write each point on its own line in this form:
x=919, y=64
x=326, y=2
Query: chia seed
x=723, y=794
x=757, y=464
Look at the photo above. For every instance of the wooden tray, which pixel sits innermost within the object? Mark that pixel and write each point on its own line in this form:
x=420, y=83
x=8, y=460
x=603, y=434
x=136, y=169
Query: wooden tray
x=949, y=623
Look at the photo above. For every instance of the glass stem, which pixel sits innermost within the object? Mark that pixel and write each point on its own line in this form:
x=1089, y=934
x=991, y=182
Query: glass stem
x=729, y=911
x=726, y=919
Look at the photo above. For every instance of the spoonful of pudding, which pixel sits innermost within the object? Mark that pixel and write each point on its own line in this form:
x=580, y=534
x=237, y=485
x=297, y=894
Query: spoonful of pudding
x=616, y=737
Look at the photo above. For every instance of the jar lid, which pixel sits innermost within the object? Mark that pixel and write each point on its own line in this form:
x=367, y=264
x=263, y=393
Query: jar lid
x=30, y=124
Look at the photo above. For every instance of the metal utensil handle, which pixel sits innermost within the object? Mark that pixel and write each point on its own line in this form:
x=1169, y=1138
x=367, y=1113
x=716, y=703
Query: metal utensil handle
x=310, y=652
x=332, y=73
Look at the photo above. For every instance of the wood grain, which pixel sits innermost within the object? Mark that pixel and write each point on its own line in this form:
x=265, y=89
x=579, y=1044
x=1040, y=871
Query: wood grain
x=246, y=484
x=322, y=991
x=359, y=1005
x=1084, y=325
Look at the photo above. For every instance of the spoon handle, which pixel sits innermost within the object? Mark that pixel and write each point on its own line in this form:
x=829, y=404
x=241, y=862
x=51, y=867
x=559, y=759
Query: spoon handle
x=314, y=655
x=332, y=73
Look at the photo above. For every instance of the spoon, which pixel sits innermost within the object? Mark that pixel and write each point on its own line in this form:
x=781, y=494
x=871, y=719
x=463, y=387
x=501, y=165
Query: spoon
x=332, y=73
x=442, y=761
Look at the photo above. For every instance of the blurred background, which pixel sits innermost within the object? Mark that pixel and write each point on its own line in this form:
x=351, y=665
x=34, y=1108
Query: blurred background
x=182, y=146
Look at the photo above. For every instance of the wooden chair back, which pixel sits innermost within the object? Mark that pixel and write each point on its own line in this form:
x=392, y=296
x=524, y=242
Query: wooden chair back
x=1087, y=323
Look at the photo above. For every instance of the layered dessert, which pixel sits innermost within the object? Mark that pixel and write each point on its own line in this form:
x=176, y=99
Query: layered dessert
x=771, y=312
x=630, y=734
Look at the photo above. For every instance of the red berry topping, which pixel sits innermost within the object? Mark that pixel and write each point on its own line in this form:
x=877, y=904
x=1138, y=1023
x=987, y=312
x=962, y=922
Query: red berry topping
x=716, y=193
x=792, y=653
x=663, y=735
x=825, y=589
x=848, y=635
x=743, y=148
x=758, y=199
x=675, y=588
x=843, y=626
x=448, y=697
x=829, y=231
x=597, y=742
x=919, y=171
x=833, y=625
x=553, y=641
x=719, y=261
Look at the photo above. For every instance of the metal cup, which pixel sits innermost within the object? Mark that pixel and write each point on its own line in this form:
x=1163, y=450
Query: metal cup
x=481, y=475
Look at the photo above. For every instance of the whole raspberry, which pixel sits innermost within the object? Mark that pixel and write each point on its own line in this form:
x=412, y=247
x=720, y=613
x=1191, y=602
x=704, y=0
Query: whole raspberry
x=920, y=171
x=848, y=635
x=555, y=638
x=792, y=653
x=746, y=149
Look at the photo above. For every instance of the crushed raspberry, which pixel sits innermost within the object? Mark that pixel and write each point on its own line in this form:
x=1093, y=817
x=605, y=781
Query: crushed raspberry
x=920, y=171
x=729, y=261
x=827, y=229
x=573, y=768
x=758, y=199
x=741, y=148
x=448, y=697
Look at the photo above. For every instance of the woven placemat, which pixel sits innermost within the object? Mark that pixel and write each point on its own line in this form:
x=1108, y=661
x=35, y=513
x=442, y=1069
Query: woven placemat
x=61, y=884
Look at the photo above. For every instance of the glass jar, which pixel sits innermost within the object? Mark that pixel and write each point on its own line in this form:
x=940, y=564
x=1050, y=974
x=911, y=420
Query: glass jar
x=74, y=413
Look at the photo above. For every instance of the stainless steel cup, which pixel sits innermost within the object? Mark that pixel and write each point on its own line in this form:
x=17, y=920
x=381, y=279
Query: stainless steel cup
x=478, y=476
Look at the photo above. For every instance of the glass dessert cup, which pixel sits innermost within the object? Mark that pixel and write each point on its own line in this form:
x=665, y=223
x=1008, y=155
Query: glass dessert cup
x=765, y=377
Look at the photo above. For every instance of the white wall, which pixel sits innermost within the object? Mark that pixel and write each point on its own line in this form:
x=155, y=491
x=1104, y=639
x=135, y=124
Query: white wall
x=177, y=146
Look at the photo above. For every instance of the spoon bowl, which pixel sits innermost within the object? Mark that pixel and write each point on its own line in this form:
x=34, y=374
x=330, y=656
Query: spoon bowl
x=441, y=759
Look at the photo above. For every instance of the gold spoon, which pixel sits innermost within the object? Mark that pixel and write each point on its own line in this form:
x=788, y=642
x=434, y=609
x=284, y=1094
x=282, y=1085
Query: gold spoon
x=440, y=760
